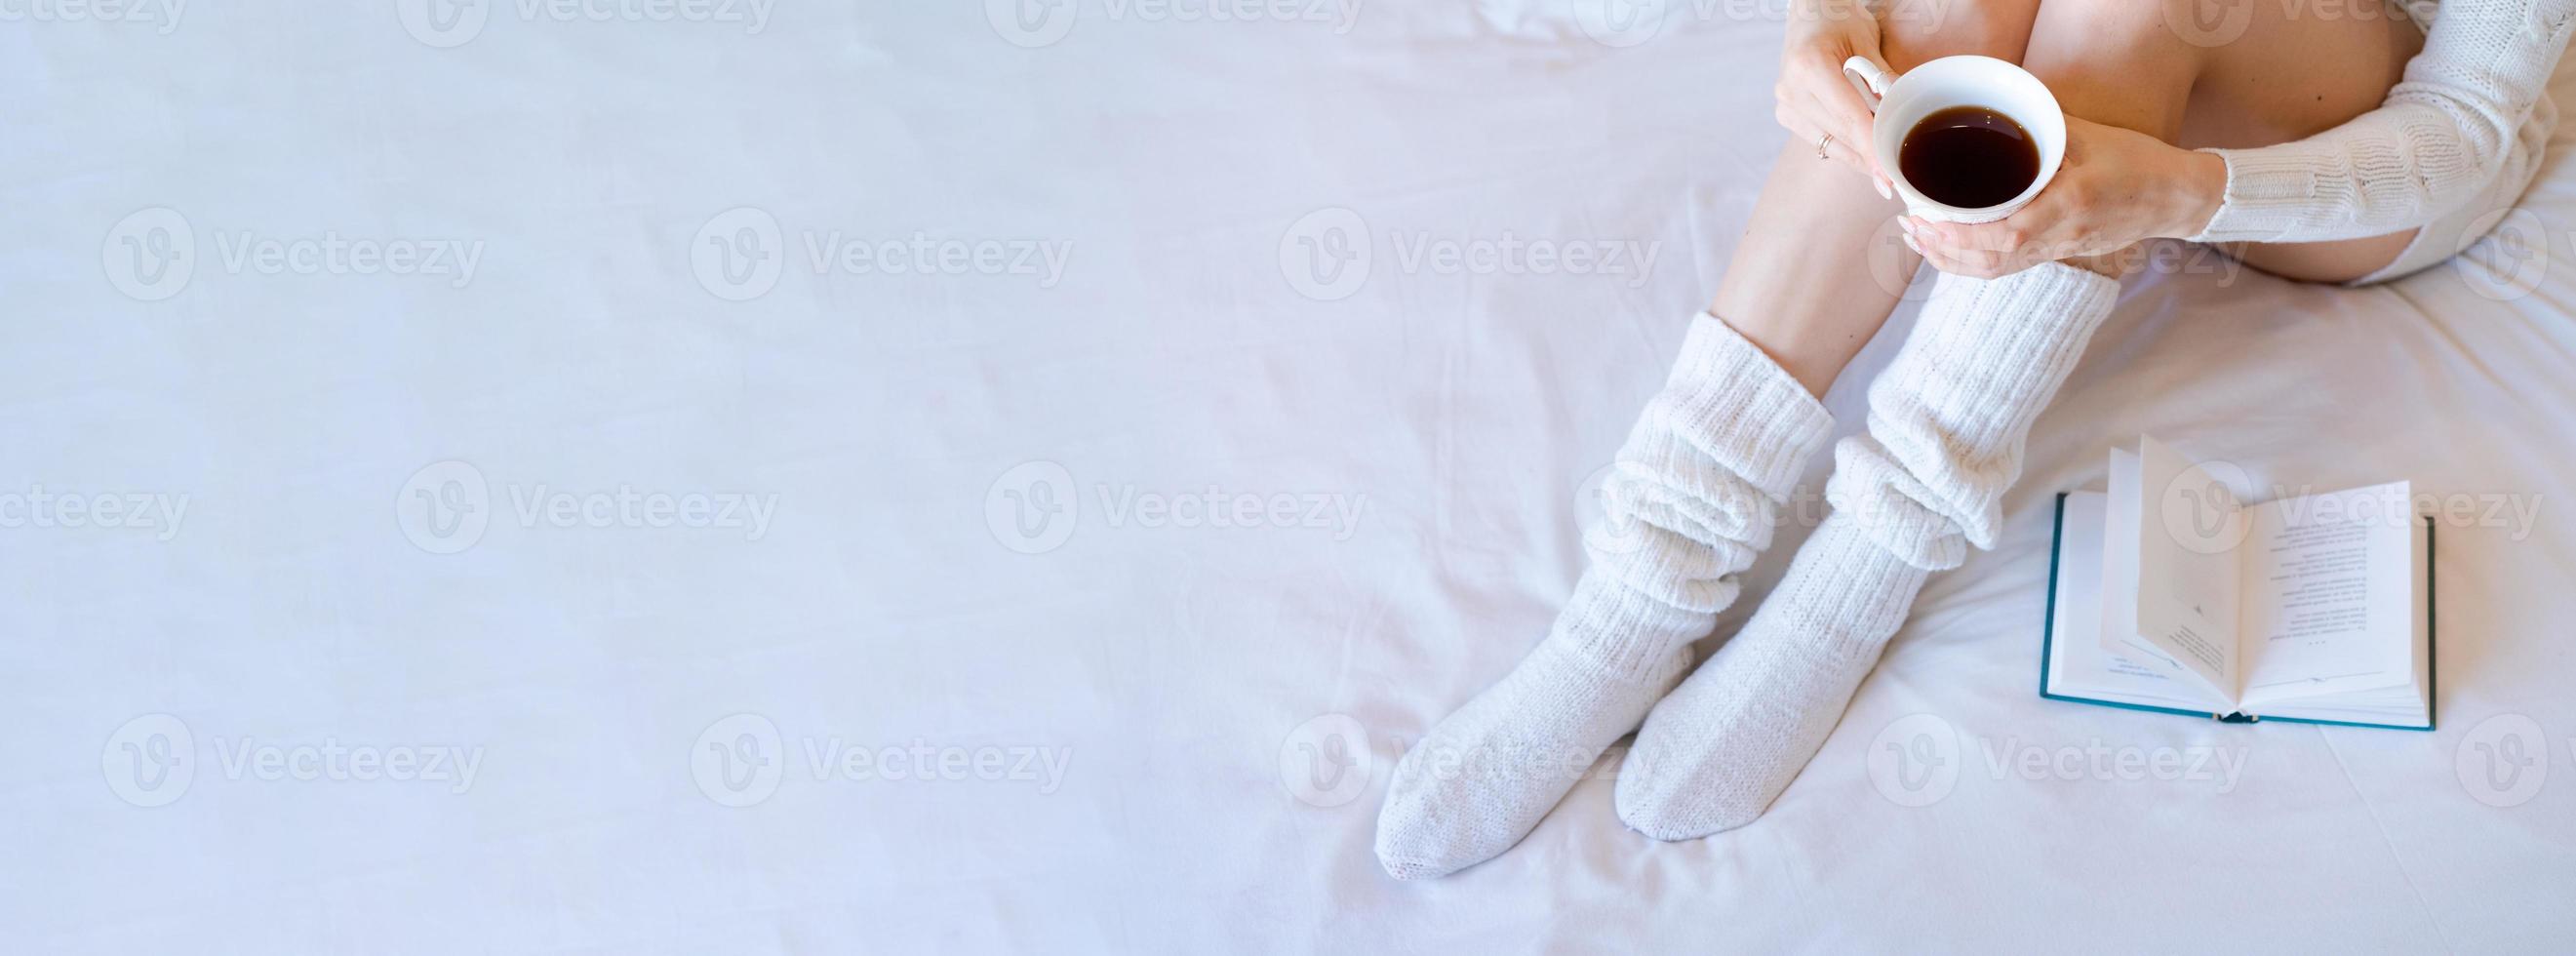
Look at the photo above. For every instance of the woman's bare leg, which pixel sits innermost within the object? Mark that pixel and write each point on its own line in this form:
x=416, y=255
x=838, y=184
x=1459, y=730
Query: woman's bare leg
x=1816, y=229
x=2289, y=78
x=1926, y=481
x=1821, y=267
x=2290, y=74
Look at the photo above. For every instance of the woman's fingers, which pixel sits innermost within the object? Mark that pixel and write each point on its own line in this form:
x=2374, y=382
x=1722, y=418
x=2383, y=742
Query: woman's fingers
x=1849, y=121
x=1803, y=126
x=1977, y=263
x=2008, y=234
x=1849, y=112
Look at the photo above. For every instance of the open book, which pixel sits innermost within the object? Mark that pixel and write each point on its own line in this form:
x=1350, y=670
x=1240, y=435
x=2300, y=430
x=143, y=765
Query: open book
x=2168, y=593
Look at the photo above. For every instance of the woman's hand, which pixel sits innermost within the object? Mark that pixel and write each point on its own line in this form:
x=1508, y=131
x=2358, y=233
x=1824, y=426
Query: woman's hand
x=2115, y=188
x=1814, y=97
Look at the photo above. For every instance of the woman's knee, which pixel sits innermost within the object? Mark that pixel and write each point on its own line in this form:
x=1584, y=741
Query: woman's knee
x=2115, y=62
x=1914, y=31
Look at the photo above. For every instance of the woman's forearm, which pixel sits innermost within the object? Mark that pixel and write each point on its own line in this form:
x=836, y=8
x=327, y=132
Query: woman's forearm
x=2428, y=150
x=2196, y=187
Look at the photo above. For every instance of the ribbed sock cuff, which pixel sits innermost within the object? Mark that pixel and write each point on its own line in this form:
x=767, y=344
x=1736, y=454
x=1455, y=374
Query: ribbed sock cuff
x=1629, y=634
x=1742, y=409
x=1948, y=418
x=1693, y=499
x=1845, y=589
x=1983, y=349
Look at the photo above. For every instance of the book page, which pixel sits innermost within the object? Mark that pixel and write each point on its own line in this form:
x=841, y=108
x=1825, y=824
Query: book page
x=2189, y=525
x=2329, y=594
x=2118, y=630
x=2080, y=663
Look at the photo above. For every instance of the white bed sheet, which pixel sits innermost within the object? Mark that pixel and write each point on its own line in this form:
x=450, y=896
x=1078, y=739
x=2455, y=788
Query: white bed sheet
x=1175, y=672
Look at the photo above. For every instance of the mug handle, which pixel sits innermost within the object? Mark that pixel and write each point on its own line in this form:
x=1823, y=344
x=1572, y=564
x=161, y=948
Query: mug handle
x=1867, y=80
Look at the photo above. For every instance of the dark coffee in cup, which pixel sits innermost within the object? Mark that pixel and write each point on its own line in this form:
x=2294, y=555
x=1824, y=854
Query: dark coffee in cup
x=1969, y=157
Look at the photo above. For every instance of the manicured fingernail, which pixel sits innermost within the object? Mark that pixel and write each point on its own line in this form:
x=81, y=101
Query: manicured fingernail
x=1909, y=243
x=1883, y=191
x=1906, y=223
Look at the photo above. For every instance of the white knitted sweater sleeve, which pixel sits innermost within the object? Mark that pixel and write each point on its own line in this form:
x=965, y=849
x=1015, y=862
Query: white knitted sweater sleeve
x=2427, y=150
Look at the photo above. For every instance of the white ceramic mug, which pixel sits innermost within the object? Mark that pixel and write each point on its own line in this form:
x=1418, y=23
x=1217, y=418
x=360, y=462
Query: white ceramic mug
x=1901, y=102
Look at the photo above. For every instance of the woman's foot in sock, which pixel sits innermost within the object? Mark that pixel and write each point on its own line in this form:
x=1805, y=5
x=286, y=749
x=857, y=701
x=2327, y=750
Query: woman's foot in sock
x=1488, y=773
x=1693, y=498
x=1714, y=754
x=1911, y=495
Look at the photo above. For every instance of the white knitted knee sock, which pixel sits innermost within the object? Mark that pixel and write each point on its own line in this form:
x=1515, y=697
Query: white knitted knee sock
x=1946, y=426
x=1693, y=498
